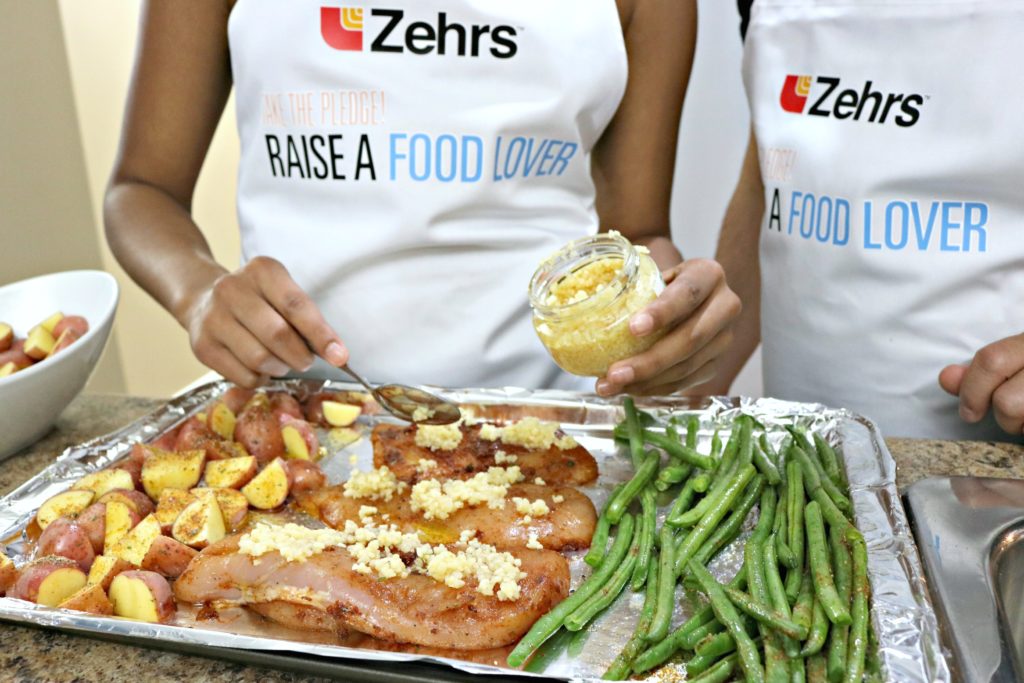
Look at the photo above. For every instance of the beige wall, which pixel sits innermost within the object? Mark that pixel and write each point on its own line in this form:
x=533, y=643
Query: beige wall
x=46, y=213
x=100, y=44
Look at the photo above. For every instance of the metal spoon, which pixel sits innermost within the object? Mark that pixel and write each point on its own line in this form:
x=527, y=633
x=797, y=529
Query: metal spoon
x=402, y=401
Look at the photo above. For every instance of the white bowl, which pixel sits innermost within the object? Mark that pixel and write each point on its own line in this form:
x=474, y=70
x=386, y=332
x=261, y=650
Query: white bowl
x=33, y=398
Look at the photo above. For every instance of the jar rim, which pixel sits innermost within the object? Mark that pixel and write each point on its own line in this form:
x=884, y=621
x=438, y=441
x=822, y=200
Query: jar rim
x=571, y=258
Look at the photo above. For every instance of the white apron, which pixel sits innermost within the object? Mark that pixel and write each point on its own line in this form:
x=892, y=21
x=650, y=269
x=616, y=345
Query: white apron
x=892, y=151
x=412, y=162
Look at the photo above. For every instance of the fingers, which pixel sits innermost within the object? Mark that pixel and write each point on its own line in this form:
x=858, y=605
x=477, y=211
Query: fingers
x=298, y=311
x=992, y=366
x=699, y=376
x=1008, y=404
x=219, y=358
x=951, y=377
x=683, y=374
x=689, y=285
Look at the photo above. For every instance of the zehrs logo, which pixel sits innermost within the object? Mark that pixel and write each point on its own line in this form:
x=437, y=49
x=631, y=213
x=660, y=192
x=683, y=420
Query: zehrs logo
x=343, y=28
x=829, y=100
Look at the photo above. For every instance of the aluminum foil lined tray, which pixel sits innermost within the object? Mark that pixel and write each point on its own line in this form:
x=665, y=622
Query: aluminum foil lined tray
x=902, y=616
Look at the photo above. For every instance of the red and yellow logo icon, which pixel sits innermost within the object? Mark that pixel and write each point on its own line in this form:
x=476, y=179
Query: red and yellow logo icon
x=794, y=93
x=342, y=27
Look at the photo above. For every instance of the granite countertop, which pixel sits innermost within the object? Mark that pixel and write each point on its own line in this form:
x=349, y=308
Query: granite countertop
x=30, y=654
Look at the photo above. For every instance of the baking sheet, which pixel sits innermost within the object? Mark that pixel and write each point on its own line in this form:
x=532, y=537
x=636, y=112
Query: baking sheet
x=902, y=615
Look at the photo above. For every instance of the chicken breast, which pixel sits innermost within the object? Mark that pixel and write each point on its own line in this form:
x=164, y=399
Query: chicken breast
x=324, y=592
x=568, y=525
x=395, y=446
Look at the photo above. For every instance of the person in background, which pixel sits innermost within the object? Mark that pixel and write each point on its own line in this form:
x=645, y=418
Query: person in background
x=404, y=168
x=876, y=234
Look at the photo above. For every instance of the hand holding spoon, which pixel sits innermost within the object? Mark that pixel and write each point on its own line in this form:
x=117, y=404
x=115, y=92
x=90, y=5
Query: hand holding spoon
x=402, y=401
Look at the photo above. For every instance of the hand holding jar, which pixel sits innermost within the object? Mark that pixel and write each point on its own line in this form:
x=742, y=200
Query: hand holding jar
x=603, y=310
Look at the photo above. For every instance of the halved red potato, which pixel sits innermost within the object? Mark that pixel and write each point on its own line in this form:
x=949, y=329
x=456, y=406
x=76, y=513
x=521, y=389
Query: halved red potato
x=48, y=581
x=39, y=343
x=90, y=598
x=167, y=440
x=172, y=502
x=200, y=524
x=168, y=557
x=305, y=475
x=232, y=473
x=8, y=574
x=106, y=480
x=196, y=436
x=105, y=568
x=137, y=500
x=134, y=545
x=120, y=518
x=134, y=469
x=269, y=489
x=283, y=403
x=233, y=505
x=221, y=419
x=66, y=538
x=16, y=355
x=314, y=405
x=75, y=323
x=164, y=470
x=235, y=398
x=51, y=322
x=259, y=431
x=6, y=336
x=94, y=520
x=66, y=339
x=143, y=596
x=8, y=369
x=299, y=439
x=68, y=503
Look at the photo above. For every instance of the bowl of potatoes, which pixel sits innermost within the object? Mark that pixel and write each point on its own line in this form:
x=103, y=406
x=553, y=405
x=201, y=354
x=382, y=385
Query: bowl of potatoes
x=53, y=329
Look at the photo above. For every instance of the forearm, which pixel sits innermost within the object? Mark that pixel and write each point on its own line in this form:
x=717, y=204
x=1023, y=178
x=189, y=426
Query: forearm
x=156, y=241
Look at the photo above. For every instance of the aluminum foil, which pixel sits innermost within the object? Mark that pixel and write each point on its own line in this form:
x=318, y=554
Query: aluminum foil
x=902, y=616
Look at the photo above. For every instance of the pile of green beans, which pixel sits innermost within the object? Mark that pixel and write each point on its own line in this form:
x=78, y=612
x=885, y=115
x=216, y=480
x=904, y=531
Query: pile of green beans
x=797, y=610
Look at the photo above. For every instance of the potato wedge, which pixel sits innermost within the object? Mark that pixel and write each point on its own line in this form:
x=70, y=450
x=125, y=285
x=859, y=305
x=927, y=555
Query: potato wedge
x=39, y=343
x=51, y=322
x=200, y=524
x=305, y=475
x=233, y=505
x=66, y=538
x=221, y=419
x=89, y=598
x=137, y=500
x=299, y=439
x=232, y=473
x=268, y=489
x=135, y=544
x=143, y=596
x=134, y=469
x=105, y=568
x=8, y=369
x=172, y=502
x=168, y=557
x=340, y=414
x=73, y=323
x=106, y=480
x=69, y=503
x=8, y=574
x=48, y=581
x=166, y=470
x=66, y=339
x=118, y=521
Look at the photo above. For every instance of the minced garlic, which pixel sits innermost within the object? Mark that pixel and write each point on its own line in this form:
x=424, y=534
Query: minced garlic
x=501, y=457
x=439, y=437
x=585, y=282
x=377, y=484
x=480, y=561
x=539, y=482
x=422, y=413
x=367, y=511
x=532, y=542
x=439, y=500
x=295, y=543
x=557, y=498
x=529, y=433
x=535, y=508
x=424, y=465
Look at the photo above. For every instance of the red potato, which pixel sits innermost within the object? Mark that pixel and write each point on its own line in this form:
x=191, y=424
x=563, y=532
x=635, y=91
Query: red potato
x=66, y=339
x=90, y=598
x=66, y=538
x=48, y=581
x=165, y=441
x=50, y=324
x=74, y=323
x=196, y=435
x=235, y=398
x=70, y=503
x=118, y=521
x=137, y=500
x=269, y=489
x=133, y=468
x=39, y=343
x=8, y=574
x=299, y=439
x=259, y=431
x=133, y=546
x=170, y=505
x=143, y=596
x=106, y=480
x=105, y=568
x=283, y=403
x=200, y=524
x=314, y=404
x=94, y=520
x=8, y=369
x=233, y=505
x=168, y=557
x=6, y=336
x=221, y=420
x=305, y=475
x=232, y=473
x=16, y=355
x=164, y=470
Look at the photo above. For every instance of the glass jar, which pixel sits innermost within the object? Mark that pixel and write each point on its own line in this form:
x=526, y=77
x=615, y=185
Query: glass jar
x=583, y=297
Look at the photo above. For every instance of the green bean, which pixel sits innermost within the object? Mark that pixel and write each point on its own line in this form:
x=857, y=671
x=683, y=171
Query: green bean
x=719, y=673
x=776, y=591
x=765, y=465
x=829, y=460
x=765, y=614
x=607, y=593
x=804, y=607
x=776, y=670
x=708, y=652
x=704, y=528
x=795, y=517
x=634, y=432
x=776, y=663
x=701, y=482
x=814, y=476
x=818, y=633
x=666, y=587
x=692, y=427
x=781, y=531
x=716, y=445
x=673, y=474
x=699, y=635
x=619, y=668
x=859, y=626
x=766, y=446
x=832, y=514
x=821, y=567
x=678, y=451
x=839, y=635
x=550, y=622
x=549, y=651
x=745, y=452
x=728, y=530
x=797, y=673
x=599, y=541
x=726, y=612
x=696, y=513
x=816, y=669
x=766, y=515
x=682, y=504
x=644, y=473
x=725, y=465
x=705, y=616
x=648, y=525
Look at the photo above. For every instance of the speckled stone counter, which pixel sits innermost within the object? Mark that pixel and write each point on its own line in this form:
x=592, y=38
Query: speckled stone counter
x=29, y=654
